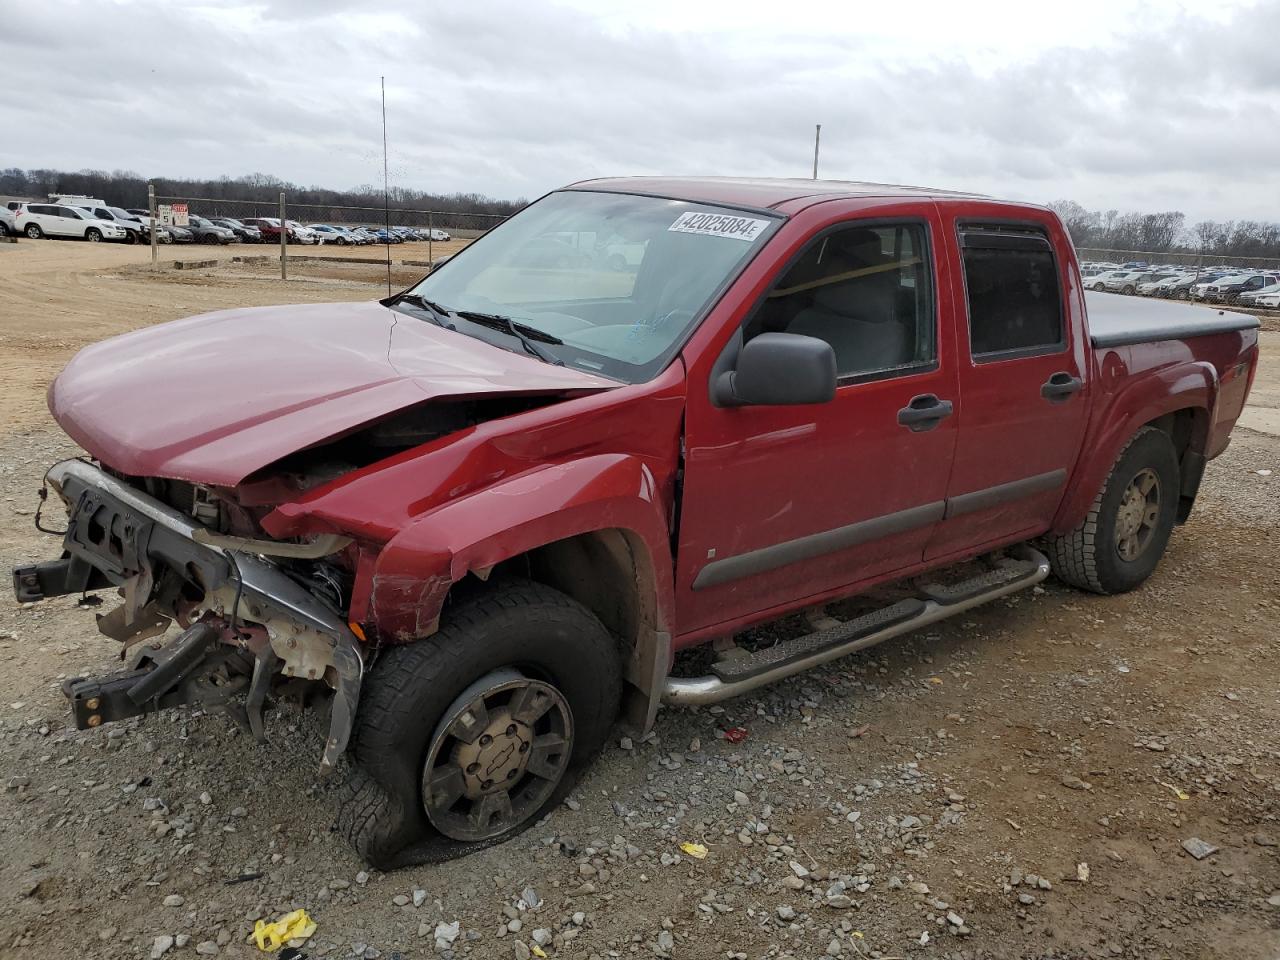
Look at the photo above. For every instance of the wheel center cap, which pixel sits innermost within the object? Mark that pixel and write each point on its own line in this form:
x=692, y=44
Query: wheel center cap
x=496, y=758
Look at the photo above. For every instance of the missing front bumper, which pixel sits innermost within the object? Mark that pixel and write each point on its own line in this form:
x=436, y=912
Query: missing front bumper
x=124, y=538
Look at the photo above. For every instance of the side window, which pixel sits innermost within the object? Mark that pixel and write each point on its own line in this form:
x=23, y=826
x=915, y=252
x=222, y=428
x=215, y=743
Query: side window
x=67, y=212
x=867, y=291
x=1015, y=299
x=102, y=214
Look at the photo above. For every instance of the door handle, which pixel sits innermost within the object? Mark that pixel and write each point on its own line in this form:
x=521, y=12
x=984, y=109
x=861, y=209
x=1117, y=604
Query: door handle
x=924, y=412
x=1060, y=386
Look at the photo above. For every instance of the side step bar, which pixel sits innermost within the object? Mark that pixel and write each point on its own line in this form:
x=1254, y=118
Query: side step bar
x=1024, y=567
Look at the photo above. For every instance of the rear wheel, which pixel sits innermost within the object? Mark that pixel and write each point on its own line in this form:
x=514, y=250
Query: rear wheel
x=1129, y=290
x=33, y=231
x=1099, y=287
x=1124, y=536
x=93, y=235
x=467, y=737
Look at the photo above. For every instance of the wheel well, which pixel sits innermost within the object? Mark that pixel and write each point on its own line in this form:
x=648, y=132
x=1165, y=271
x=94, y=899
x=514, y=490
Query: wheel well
x=1188, y=429
x=610, y=573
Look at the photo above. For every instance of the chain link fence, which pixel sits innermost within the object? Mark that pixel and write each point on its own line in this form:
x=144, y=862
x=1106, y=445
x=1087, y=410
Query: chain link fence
x=458, y=224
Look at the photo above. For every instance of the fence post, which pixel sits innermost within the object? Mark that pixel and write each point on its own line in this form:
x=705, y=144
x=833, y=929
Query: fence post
x=431, y=260
x=284, y=241
x=155, y=223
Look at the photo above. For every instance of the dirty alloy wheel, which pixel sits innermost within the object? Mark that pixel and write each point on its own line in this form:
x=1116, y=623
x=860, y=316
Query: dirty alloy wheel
x=93, y=235
x=496, y=756
x=33, y=231
x=1129, y=290
x=1099, y=287
x=1125, y=533
x=467, y=737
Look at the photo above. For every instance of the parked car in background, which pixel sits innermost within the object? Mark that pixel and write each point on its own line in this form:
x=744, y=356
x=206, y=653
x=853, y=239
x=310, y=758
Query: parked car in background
x=177, y=234
x=1117, y=281
x=1228, y=289
x=38, y=220
x=363, y=235
x=269, y=227
x=333, y=234
x=1253, y=296
x=1268, y=299
x=206, y=231
x=383, y=236
x=6, y=222
x=1200, y=289
x=1098, y=281
x=1152, y=288
x=440, y=235
x=135, y=230
x=300, y=234
x=244, y=231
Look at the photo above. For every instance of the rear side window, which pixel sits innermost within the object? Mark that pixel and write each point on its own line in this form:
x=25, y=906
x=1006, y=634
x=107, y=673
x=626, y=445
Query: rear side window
x=1014, y=296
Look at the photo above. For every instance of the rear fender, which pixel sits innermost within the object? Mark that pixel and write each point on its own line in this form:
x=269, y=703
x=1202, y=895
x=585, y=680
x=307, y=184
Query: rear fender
x=1146, y=398
x=416, y=569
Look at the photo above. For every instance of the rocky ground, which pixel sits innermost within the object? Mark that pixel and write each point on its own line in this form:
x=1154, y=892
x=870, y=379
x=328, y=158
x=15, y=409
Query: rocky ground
x=1055, y=775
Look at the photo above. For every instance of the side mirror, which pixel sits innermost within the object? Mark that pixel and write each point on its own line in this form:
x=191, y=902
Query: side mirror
x=779, y=369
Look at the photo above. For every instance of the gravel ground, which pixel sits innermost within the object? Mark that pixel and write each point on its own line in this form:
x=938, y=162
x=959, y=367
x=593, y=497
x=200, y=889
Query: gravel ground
x=1026, y=781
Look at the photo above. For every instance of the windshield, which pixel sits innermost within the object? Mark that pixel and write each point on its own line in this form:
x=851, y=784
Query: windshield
x=619, y=279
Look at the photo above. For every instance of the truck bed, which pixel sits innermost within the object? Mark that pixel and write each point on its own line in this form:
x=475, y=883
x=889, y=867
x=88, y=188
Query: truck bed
x=1116, y=320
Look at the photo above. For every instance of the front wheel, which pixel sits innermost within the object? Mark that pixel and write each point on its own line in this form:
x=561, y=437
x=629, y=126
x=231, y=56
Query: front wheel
x=1126, y=531
x=93, y=235
x=1099, y=287
x=468, y=737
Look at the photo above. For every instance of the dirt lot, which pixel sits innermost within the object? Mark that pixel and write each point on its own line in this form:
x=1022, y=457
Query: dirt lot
x=935, y=797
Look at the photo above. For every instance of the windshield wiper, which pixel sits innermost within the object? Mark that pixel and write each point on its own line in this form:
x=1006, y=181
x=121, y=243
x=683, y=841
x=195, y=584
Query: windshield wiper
x=439, y=315
x=521, y=331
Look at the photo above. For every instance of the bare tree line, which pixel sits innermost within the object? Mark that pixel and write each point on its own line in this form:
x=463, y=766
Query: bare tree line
x=128, y=189
x=1168, y=232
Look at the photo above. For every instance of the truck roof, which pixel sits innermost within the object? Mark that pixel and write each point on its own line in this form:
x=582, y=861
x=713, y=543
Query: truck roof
x=759, y=192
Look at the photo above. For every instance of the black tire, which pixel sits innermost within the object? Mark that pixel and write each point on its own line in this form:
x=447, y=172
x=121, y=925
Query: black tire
x=533, y=628
x=33, y=231
x=130, y=237
x=1099, y=287
x=1129, y=290
x=1089, y=557
x=93, y=235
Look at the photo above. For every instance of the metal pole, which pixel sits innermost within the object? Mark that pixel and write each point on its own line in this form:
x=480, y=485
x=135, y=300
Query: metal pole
x=284, y=240
x=817, y=138
x=155, y=223
x=386, y=183
x=431, y=260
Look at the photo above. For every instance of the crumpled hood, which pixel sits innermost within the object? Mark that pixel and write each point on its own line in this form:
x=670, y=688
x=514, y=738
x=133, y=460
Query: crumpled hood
x=213, y=398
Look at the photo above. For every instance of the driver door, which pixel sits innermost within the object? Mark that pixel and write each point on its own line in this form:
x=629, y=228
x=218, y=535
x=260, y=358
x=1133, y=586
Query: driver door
x=786, y=505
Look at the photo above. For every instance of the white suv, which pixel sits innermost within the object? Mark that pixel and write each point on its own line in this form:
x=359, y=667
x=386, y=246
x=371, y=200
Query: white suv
x=38, y=220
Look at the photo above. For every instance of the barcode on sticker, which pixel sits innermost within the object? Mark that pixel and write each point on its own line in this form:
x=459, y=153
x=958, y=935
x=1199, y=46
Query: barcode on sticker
x=719, y=225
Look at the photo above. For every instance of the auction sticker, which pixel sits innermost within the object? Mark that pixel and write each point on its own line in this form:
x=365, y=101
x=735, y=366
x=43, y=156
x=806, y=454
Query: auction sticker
x=719, y=225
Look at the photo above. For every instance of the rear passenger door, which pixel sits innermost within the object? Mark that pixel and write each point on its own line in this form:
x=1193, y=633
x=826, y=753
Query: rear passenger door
x=1023, y=379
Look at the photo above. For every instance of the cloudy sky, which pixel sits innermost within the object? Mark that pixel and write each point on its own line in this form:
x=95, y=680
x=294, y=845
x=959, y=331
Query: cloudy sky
x=1114, y=103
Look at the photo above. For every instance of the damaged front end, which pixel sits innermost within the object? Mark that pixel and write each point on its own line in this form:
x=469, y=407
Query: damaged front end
x=250, y=630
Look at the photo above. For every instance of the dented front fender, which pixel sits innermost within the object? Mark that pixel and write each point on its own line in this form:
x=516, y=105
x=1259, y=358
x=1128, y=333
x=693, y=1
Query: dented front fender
x=417, y=567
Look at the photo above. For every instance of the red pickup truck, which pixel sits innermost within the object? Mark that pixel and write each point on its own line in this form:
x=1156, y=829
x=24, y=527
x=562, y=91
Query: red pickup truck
x=480, y=518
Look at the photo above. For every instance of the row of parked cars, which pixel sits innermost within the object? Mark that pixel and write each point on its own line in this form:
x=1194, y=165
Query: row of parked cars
x=1223, y=284
x=87, y=218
